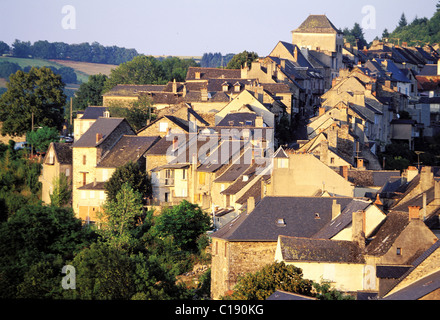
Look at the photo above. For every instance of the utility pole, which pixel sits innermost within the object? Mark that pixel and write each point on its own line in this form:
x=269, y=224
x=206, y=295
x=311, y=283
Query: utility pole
x=71, y=112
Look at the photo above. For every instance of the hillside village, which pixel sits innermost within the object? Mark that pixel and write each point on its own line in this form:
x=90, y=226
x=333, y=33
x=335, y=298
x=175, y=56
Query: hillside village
x=322, y=202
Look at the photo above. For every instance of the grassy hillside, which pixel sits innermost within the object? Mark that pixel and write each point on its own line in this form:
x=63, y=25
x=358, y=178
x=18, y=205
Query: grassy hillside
x=82, y=69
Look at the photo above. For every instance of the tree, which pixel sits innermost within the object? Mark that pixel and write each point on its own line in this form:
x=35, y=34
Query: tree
x=324, y=291
x=403, y=22
x=121, y=216
x=34, y=234
x=176, y=69
x=62, y=191
x=4, y=48
x=104, y=272
x=184, y=222
x=7, y=68
x=132, y=174
x=36, y=97
x=42, y=138
x=385, y=34
x=355, y=36
x=276, y=276
x=90, y=93
x=239, y=60
x=140, y=70
x=137, y=112
x=21, y=49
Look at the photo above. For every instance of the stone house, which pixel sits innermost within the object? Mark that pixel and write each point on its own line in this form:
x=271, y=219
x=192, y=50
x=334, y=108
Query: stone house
x=303, y=174
x=249, y=242
x=85, y=119
x=247, y=99
x=420, y=281
x=402, y=239
x=318, y=34
x=57, y=161
x=88, y=151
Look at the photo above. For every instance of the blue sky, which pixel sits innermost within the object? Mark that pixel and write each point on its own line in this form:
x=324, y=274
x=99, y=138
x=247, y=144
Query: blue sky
x=193, y=27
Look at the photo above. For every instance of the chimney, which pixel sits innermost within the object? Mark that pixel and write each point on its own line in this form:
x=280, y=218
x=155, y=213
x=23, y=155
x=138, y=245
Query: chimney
x=324, y=152
x=174, y=86
x=358, y=228
x=336, y=209
x=295, y=53
x=197, y=75
x=360, y=164
x=438, y=67
x=344, y=172
x=424, y=202
x=332, y=136
x=250, y=204
x=436, y=193
x=259, y=122
x=414, y=213
x=426, y=179
x=321, y=110
x=98, y=137
x=204, y=94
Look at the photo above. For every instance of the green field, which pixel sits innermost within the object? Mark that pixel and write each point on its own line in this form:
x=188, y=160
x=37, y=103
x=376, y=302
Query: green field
x=23, y=62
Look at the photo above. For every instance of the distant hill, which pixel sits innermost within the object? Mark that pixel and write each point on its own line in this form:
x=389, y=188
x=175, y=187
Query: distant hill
x=420, y=31
x=82, y=69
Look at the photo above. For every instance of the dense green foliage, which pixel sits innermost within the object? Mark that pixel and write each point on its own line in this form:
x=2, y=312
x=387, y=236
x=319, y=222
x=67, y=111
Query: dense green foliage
x=355, y=36
x=137, y=112
x=149, y=70
x=132, y=174
x=185, y=223
x=279, y=276
x=41, y=138
x=276, y=276
x=215, y=60
x=418, y=32
x=31, y=241
x=85, y=52
x=67, y=74
x=241, y=59
x=90, y=92
x=36, y=96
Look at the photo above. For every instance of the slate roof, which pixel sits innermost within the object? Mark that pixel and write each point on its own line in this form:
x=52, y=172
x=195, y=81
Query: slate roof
x=212, y=73
x=133, y=90
x=63, y=152
x=317, y=24
x=161, y=147
x=320, y=250
x=285, y=296
x=369, y=178
x=418, y=289
x=238, y=119
x=93, y=112
x=104, y=126
x=394, y=224
x=128, y=148
x=342, y=221
x=298, y=214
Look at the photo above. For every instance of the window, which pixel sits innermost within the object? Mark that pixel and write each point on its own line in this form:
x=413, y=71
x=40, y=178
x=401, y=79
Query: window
x=67, y=172
x=184, y=174
x=281, y=222
x=399, y=251
x=283, y=163
x=84, y=159
x=84, y=178
x=163, y=127
x=201, y=178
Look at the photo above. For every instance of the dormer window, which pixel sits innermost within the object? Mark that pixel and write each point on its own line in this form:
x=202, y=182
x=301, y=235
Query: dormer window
x=281, y=222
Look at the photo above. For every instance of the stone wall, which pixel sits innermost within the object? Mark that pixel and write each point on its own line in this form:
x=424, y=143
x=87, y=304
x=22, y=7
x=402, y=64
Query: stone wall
x=231, y=260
